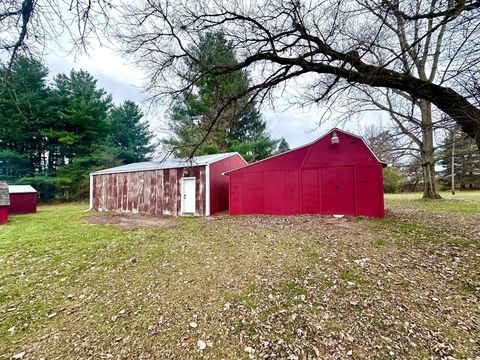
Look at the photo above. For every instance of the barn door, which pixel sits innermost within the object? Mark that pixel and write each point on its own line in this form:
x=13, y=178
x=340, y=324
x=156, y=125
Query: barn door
x=188, y=195
x=369, y=191
x=338, y=191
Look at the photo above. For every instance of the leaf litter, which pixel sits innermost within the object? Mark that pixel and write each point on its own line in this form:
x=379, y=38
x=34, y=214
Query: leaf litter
x=300, y=287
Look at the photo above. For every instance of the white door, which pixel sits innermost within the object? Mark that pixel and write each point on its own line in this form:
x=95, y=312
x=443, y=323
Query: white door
x=188, y=195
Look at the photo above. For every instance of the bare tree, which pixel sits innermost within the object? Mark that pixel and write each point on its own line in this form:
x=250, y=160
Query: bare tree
x=413, y=122
x=389, y=144
x=325, y=47
x=422, y=49
x=27, y=26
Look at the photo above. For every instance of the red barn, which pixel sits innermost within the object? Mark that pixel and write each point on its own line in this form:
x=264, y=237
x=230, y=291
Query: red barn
x=171, y=187
x=336, y=174
x=4, y=202
x=23, y=199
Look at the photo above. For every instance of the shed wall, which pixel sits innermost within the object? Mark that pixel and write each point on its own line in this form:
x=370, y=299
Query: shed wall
x=325, y=178
x=3, y=214
x=219, y=182
x=23, y=203
x=154, y=192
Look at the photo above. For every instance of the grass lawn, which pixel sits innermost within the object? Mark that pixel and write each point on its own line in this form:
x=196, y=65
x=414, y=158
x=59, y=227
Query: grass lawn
x=406, y=286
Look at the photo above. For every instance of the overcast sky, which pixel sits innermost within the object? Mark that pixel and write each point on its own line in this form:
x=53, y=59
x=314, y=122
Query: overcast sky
x=124, y=81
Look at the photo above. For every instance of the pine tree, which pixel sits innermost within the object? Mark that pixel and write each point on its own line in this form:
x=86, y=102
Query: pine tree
x=282, y=146
x=84, y=110
x=240, y=126
x=53, y=136
x=129, y=134
x=25, y=111
x=466, y=160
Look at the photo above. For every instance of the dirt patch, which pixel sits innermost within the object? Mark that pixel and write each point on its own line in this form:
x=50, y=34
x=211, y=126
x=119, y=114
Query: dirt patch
x=131, y=221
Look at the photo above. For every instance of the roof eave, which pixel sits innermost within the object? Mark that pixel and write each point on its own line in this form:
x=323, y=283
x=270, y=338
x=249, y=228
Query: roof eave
x=204, y=163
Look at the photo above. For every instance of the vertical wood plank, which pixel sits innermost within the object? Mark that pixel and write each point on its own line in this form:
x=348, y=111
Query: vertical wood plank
x=159, y=193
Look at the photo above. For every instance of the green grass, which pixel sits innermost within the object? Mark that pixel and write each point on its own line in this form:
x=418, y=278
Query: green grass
x=69, y=289
x=462, y=202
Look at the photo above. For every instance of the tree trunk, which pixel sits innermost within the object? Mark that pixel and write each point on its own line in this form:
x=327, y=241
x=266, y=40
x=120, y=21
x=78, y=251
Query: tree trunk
x=427, y=152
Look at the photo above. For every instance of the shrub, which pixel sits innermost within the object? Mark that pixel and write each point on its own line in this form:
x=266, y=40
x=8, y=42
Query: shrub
x=392, y=180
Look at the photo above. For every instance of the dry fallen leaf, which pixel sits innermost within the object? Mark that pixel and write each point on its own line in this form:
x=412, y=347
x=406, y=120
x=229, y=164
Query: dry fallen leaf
x=202, y=345
x=249, y=350
x=18, y=356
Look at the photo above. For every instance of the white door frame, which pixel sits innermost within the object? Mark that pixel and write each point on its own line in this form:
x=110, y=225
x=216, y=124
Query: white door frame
x=182, y=195
x=207, y=190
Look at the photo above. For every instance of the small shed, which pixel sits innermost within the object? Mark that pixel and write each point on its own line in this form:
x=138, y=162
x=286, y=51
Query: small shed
x=4, y=202
x=23, y=199
x=336, y=174
x=171, y=187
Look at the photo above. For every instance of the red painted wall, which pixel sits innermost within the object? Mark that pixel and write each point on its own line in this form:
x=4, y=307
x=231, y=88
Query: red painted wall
x=3, y=214
x=324, y=178
x=24, y=203
x=219, y=182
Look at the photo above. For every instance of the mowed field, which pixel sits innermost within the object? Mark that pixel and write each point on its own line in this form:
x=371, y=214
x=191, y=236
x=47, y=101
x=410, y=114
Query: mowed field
x=407, y=286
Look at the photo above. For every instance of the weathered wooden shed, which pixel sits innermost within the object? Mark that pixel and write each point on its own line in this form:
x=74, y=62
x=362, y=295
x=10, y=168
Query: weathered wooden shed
x=4, y=202
x=336, y=174
x=23, y=199
x=171, y=187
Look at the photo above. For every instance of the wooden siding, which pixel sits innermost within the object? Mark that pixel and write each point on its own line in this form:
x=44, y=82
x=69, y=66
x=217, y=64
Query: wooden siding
x=154, y=192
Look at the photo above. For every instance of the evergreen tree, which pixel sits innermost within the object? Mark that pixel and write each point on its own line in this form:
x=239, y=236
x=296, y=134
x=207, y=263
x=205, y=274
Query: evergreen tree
x=282, y=146
x=53, y=137
x=466, y=160
x=240, y=126
x=25, y=111
x=82, y=129
x=184, y=126
x=129, y=134
x=392, y=180
x=84, y=110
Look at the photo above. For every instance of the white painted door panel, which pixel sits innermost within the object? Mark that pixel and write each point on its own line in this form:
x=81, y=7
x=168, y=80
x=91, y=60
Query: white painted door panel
x=188, y=195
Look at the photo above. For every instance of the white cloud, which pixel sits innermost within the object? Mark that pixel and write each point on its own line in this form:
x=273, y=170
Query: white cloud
x=123, y=80
x=118, y=77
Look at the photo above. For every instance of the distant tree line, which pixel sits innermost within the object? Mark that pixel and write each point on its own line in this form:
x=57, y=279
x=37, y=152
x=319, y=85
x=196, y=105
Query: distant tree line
x=404, y=172
x=53, y=134
x=466, y=161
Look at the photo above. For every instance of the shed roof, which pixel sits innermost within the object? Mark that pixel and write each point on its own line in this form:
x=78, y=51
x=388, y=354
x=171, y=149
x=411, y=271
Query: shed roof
x=4, y=196
x=166, y=164
x=21, y=189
